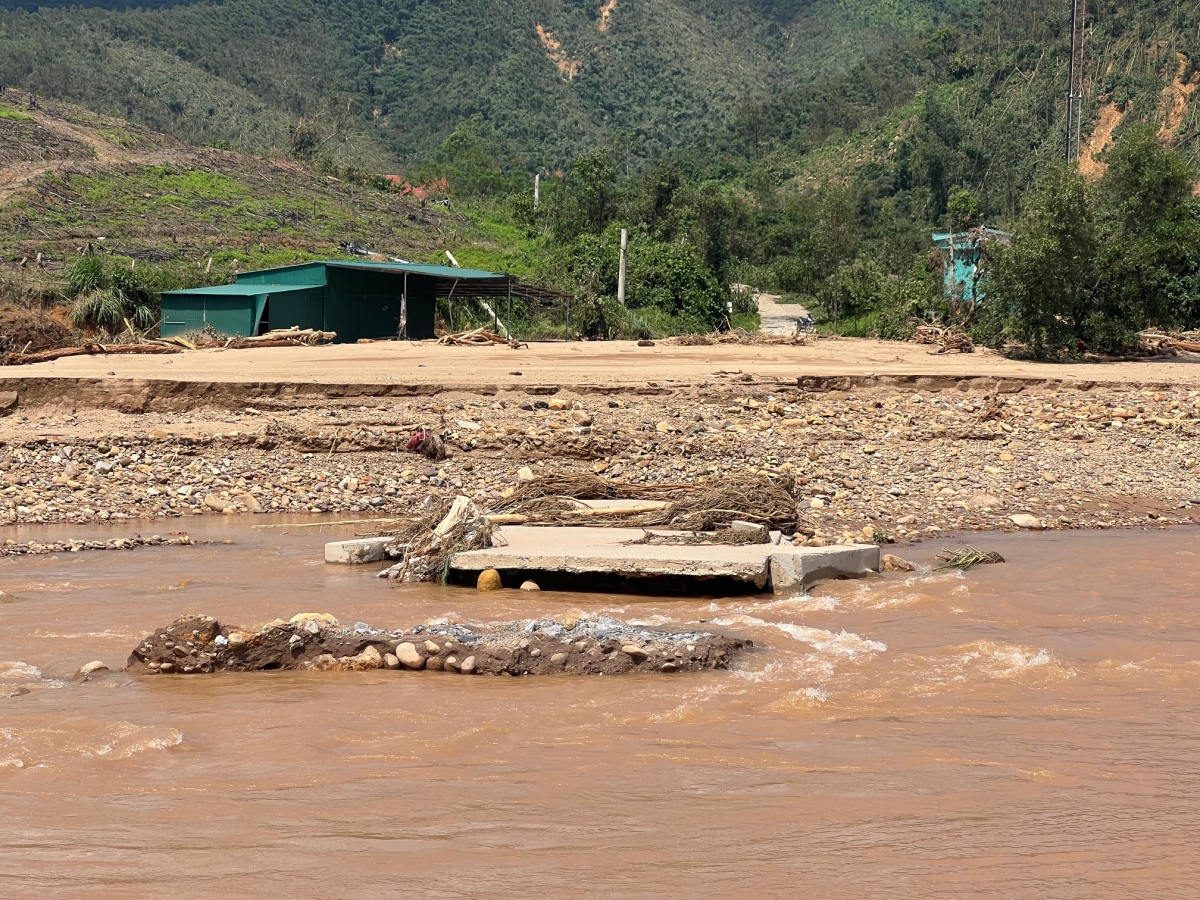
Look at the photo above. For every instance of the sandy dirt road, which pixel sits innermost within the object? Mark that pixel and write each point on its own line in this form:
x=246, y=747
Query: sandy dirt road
x=609, y=363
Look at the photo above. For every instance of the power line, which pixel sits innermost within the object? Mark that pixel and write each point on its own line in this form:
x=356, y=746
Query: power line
x=1075, y=83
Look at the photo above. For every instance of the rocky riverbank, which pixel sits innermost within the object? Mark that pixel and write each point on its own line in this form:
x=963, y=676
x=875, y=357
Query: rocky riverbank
x=879, y=463
x=196, y=645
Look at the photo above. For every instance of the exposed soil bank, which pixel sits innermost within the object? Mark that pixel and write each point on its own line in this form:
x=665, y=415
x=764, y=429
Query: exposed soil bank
x=160, y=395
x=195, y=645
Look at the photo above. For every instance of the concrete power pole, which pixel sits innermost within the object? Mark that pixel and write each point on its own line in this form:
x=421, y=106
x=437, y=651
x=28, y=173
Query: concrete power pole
x=621, y=271
x=537, y=191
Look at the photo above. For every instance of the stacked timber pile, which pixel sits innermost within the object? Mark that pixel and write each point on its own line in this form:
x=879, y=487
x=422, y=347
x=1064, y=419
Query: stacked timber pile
x=195, y=645
x=284, y=337
x=1169, y=343
x=88, y=349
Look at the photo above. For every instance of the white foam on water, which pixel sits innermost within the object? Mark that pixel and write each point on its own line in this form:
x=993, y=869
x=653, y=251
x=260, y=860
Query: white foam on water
x=1010, y=660
x=770, y=672
x=796, y=603
x=15, y=670
x=129, y=740
x=125, y=636
x=844, y=644
x=42, y=746
x=989, y=661
x=691, y=703
x=650, y=621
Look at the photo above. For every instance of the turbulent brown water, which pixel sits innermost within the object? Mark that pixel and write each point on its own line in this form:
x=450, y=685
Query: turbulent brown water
x=1028, y=729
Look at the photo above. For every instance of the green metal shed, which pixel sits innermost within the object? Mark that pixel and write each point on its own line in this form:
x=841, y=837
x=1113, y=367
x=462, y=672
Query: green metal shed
x=354, y=298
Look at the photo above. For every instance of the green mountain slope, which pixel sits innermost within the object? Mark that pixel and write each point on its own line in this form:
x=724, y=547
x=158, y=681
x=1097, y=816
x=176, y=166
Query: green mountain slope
x=392, y=78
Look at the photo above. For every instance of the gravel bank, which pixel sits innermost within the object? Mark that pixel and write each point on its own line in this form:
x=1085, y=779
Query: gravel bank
x=197, y=645
x=879, y=462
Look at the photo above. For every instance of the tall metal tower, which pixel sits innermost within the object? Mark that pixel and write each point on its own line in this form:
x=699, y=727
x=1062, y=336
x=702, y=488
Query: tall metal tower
x=1075, y=81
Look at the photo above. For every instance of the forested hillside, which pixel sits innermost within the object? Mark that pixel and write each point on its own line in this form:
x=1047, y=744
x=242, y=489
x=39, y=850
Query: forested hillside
x=807, y=147
x=830, y=191
x=394, y=77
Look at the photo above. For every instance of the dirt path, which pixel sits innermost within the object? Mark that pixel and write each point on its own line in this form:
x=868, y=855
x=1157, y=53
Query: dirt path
x=779, y=319
x=107, y=154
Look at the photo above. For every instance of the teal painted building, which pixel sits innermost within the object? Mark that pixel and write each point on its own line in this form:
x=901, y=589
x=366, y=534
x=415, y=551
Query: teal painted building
x=964, y=256
x=355, y=299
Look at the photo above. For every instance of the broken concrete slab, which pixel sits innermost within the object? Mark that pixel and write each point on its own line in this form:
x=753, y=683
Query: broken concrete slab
x=612, y=557
x=362, y=550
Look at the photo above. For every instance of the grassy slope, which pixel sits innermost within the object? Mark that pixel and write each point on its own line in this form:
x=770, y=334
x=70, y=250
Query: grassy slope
x=121, y=187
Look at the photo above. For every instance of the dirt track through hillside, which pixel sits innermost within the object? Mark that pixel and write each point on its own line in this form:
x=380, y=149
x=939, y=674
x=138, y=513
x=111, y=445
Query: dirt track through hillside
x=108, y=155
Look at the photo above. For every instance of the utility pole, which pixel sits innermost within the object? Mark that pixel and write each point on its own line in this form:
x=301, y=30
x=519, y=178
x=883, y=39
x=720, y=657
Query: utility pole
x=537, y=191
x=1075, y=82
x=621, y=271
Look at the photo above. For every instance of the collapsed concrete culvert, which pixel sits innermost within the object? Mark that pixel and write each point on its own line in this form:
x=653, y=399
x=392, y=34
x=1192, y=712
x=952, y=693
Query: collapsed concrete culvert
x=621, y=560
x=749, y=511
x=195, y=645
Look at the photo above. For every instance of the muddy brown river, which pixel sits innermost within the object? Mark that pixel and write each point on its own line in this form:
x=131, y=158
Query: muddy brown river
x=1027, y=729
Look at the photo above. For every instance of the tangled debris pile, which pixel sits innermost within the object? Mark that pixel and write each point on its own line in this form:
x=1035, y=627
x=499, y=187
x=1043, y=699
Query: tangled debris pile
x=39, y=548
x=710, y=507
x=733, y=537
x=427, y=544
x=278, y=337
x=946, y=338
x=195, y=645
x=480, y=337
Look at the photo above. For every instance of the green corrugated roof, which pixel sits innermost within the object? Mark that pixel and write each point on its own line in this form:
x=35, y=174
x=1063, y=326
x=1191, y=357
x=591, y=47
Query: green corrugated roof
x=414, y=268
x=245, y=290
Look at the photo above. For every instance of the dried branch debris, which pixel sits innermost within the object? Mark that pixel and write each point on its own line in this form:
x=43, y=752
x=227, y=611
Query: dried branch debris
x=736, y=336
x=427, y=544
x=946, y=338
x=964, y=558
x=480, y=337
x=89, y=349
x=1168, y=343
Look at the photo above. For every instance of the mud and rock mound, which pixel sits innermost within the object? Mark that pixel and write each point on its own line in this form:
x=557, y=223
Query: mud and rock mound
x=195, y=645
x=30, y=330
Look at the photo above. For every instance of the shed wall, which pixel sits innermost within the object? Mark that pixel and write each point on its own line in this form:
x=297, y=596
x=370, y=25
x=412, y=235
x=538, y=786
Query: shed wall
x=302, y=309
x=231, y=314
x=360, y=303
